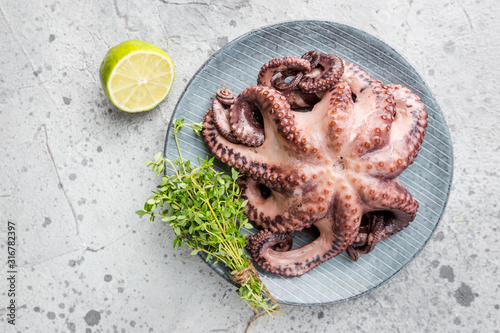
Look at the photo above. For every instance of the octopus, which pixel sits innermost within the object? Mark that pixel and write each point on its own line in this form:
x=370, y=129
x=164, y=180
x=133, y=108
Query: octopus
x=320, y=144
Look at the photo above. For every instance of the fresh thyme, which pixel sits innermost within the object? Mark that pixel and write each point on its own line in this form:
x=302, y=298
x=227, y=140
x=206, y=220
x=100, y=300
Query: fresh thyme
x=204, y=209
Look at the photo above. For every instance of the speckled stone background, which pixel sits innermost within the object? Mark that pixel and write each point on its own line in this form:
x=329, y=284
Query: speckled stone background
x=71, y=172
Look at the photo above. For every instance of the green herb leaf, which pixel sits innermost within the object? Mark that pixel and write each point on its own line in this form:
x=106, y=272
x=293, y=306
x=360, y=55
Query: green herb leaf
x=197, y=128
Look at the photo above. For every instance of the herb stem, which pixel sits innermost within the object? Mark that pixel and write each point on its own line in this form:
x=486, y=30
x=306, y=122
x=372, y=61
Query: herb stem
x=173, y=167
x=229, y=243
x=178, y=148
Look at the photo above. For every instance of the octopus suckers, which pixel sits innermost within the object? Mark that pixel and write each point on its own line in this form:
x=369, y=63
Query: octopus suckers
x=350, y=190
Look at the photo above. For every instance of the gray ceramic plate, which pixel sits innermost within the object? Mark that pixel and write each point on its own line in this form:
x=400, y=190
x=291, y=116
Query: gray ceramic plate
x=428, y=179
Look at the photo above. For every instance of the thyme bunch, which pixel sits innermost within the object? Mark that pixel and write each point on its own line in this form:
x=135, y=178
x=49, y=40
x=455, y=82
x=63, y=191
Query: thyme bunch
x=204, y=209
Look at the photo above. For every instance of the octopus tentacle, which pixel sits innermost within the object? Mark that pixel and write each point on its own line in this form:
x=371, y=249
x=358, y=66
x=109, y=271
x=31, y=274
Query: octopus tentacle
x=294, y=262
x=251, y=164
x=225, y=96
x=280, y=241
x=379, y=194
x=339, y=116
x=260, y=193
x=262, y=111
x=371, y=234
x=246, y=120
x=299, y=99
x=291, y=63
x=220, y=113
x=406, y=135
x=371, y=111
x=286, y=67
x=278, y=122
x=313, y=57
x=326, y=73
x=277, y=209
x=335, y=235
x=316, y=122
x=368, y=236
x=389, y=211
x=250, y=111
x=347, y=213
x=280, y=84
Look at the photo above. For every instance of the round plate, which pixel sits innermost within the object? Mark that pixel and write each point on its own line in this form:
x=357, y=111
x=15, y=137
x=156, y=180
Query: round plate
x=428, y=179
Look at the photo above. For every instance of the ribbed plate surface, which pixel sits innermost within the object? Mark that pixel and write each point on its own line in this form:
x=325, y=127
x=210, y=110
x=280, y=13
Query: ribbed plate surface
x=428, y=178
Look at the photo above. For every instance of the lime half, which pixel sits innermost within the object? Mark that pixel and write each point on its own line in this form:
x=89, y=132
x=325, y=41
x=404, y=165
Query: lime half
x=136, y=75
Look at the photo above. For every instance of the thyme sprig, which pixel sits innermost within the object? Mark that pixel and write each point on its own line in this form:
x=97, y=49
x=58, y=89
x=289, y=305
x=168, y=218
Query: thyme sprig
x=204, y=209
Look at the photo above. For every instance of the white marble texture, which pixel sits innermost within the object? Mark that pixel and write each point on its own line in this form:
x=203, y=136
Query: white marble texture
x=71, y=172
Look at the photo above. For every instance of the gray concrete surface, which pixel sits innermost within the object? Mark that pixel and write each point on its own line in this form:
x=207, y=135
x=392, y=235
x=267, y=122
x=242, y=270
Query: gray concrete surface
x=71, y=173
